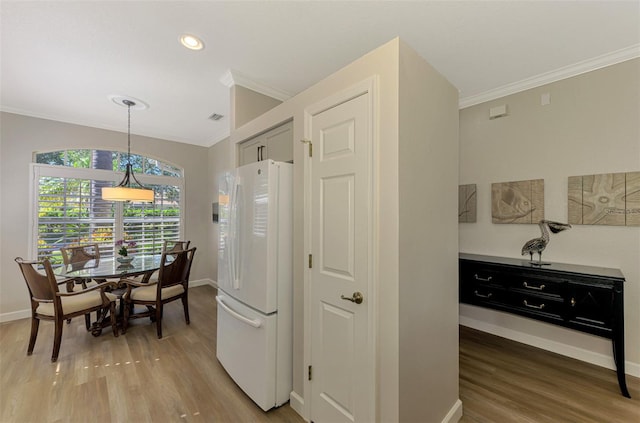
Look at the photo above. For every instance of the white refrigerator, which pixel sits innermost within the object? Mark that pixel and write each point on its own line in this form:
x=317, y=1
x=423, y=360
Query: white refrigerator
x=255, y=270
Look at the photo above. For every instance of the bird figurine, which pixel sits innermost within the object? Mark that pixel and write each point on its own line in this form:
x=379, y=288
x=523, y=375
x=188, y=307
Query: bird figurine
x=537, y=245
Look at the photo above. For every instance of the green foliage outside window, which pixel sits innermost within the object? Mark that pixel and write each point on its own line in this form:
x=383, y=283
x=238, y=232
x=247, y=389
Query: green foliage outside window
x=72, y=212
x=95, y=159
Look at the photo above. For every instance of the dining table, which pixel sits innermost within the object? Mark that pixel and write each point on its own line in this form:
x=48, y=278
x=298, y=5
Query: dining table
x=108, y=268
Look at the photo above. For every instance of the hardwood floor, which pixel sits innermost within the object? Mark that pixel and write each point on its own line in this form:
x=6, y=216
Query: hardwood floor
x=506, y=381
x=133, y=378
x=139, y=378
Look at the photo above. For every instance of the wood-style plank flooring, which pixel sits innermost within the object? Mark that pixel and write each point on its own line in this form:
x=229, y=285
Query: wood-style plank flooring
x=139, y=378
x=130, y=379
x=506, y=381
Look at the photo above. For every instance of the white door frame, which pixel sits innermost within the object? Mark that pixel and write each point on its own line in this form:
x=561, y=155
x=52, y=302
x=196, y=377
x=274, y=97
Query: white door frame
x=368, y=86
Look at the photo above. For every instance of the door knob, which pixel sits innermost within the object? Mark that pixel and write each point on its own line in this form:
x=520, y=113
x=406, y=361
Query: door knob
x=356, y=298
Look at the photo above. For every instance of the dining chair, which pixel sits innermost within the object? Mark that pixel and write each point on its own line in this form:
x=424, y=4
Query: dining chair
x=175, y=245
x=48, y=303
x=76, y=255
x=168, y=245
x=80, y=253
x=172, y=284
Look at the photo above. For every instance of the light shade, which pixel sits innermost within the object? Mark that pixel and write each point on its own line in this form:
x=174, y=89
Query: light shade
x=127, y=194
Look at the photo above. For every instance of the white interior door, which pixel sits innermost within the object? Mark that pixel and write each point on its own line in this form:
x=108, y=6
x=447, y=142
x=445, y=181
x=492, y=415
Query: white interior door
x=341, y=225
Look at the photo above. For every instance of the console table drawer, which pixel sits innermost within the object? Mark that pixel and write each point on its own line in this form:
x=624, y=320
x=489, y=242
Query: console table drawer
x=482, y=276
x=485, y=295
x=534, y=285
x=538, y=306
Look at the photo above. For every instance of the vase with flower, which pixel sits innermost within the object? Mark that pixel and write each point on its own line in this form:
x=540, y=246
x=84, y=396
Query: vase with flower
x=124, y=252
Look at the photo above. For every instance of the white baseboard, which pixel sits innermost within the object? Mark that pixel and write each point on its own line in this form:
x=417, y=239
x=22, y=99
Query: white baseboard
x=15, y=315
x=26, y=313
x=297, y=403
x=455, y=414
x=200, y=282
x=632, y=369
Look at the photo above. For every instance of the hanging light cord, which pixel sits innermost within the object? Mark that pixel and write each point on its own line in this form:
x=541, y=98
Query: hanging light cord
x=129, y=104
x=128, y=174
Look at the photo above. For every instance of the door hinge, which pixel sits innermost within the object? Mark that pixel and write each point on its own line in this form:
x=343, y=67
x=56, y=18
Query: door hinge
x=309, y=373
x=310, y=146
x=310, y=261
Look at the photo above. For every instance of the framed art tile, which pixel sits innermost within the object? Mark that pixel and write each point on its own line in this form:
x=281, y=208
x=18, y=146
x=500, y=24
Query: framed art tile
x=605, y=199
x=467, y=203
x=517, y=202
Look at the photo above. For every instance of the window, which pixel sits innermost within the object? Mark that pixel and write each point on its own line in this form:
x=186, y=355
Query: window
x=70, y=211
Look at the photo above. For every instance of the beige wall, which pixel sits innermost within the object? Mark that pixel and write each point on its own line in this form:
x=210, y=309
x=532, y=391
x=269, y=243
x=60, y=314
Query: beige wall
x=21, y=136
x=592, y=126
x=428, y=246
x=247, y=104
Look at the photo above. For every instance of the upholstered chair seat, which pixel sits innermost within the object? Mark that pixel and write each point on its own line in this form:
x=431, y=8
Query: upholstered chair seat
x=149, y=293
x=75, y=303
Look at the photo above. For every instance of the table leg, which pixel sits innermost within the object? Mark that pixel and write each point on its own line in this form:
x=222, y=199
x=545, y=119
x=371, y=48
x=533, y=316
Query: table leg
x=618, y=358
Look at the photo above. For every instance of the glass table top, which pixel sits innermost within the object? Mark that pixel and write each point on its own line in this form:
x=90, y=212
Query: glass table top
x=110, y=268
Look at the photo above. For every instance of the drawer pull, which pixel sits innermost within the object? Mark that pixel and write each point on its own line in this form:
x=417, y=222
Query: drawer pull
x=478, y=278
x=535, y=288
x=483, y=296
x=540, y=307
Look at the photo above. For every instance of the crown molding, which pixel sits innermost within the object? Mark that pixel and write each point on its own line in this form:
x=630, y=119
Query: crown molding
x=232, y=77
x=227, y=79
x=575, y=69
x=219, y=137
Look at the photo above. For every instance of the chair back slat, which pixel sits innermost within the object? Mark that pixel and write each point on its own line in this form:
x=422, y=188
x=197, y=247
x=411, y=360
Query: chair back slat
x=169, y=246
x=177, y=271
x=43, y=287
x=80, y=253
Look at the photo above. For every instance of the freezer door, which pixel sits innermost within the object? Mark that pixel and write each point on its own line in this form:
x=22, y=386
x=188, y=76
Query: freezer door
x=246, y=348
x=248, y=249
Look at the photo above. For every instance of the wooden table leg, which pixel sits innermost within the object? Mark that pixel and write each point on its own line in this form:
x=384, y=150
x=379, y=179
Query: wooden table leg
x=618, y=358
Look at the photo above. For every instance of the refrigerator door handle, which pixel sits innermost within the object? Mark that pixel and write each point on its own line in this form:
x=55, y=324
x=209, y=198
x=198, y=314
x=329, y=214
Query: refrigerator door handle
x=234, y=247
x=233, y=235
x=256, y=323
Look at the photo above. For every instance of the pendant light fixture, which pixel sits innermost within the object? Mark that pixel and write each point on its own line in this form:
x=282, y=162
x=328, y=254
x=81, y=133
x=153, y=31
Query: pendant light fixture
x=124, y=191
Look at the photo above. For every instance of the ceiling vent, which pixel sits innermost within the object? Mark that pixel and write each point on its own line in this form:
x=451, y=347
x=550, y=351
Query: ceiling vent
x=216, y=116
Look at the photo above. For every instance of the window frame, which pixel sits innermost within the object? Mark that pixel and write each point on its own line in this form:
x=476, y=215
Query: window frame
x=37, y=170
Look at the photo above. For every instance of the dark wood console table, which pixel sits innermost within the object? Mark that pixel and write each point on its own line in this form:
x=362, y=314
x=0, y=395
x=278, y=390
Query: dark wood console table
x=584, y=298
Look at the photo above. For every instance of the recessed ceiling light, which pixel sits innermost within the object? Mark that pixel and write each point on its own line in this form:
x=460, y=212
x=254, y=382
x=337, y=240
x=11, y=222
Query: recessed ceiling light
x=191, y=42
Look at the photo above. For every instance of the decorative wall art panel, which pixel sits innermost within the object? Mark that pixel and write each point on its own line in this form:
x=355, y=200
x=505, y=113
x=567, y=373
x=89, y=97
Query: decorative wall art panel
x=606, y=199
x=517, y=202
x=632, y=210
x=467, y=203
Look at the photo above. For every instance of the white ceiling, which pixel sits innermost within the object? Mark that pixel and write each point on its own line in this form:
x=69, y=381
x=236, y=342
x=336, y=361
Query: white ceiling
x=61, y=60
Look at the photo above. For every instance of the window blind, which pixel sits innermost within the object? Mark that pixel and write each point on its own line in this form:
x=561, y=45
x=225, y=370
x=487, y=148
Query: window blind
x=69, y=210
